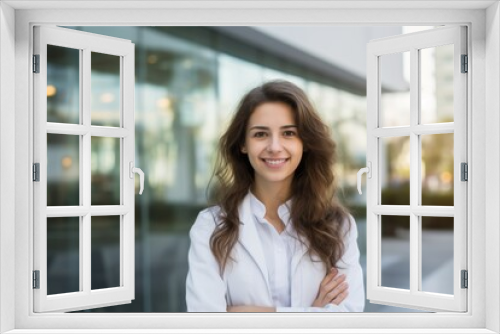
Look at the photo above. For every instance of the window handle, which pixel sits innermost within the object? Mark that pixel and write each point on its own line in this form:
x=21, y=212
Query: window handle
x=367, y=170
x=137, y=171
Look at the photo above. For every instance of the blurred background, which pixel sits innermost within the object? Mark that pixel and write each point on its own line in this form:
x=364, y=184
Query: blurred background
x=188, y=83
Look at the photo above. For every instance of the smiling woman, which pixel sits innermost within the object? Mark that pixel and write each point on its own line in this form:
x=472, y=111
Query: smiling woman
x=278, y=240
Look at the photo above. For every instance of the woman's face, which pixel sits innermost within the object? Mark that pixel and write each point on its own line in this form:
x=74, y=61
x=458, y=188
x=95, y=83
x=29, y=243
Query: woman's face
x=272, y=144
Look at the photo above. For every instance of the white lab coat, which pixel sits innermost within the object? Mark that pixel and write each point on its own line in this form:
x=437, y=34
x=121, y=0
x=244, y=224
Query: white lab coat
x=245, y=280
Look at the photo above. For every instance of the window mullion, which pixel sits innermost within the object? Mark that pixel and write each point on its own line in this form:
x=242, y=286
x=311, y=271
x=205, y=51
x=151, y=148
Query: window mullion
x=81, y=231
x=85, y=237
x=415, y=249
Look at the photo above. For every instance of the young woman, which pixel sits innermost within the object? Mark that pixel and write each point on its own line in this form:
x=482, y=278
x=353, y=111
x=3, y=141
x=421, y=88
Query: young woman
x=278, y=239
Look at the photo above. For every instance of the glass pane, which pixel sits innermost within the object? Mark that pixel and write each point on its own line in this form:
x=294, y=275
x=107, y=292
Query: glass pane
x=437, y=169
x=395, y=170
x=395, y=89
x=105, y=256
x=63, y=255
x=105, y=90
x=436, y=84
x=63, y=167
x=395, y=266
x=437, y=254
x=63, y=85
x=105, y=158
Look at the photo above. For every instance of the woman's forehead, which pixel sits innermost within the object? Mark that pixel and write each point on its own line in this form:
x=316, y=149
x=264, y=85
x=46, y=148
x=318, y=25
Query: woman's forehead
x=272, y=114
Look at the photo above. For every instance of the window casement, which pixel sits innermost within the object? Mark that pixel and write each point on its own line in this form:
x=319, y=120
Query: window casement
x=415, y=128
x=77, y=148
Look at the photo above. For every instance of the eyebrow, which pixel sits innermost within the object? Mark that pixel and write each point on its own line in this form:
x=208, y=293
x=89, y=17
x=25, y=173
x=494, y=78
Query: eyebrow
x=260, y=127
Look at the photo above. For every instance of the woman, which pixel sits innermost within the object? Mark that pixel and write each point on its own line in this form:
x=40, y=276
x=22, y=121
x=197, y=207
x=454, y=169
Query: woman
x=278, y=240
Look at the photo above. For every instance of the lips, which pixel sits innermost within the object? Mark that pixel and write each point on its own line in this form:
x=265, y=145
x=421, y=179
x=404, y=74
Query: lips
x=275, y=163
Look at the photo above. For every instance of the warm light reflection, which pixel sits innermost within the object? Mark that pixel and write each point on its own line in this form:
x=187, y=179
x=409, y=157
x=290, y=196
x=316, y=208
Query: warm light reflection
x=163, y=103
x=107, y=98
x=66, y=162
x=51, y=90
x=446, y=177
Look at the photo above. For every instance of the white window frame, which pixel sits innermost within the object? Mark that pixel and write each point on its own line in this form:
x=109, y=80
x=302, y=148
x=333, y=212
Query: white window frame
x=18, y=18
x=376, y=131
x=86, y=43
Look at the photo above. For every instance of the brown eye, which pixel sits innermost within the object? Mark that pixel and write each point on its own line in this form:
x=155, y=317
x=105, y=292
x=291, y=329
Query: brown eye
x=259, y=134
x=289, y=133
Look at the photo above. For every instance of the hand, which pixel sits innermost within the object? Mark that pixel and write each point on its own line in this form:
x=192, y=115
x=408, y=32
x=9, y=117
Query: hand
x=250, y=309
x=332, y=290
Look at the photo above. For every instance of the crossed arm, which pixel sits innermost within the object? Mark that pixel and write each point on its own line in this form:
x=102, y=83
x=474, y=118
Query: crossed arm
x=332, y=290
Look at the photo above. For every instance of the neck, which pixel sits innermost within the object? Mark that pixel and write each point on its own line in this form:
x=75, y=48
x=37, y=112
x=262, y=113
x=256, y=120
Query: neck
x=272, y=197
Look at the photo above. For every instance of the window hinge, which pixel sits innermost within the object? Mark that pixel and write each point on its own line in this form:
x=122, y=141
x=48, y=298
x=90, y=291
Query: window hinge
x=36, y=172
x=465, y=279
x=36, y=63
x=465, y=64
x=464, y=171
x=36, y=279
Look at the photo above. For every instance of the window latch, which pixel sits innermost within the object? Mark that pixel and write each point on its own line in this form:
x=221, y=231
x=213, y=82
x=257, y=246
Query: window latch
x=133, y=170
x=368, y=171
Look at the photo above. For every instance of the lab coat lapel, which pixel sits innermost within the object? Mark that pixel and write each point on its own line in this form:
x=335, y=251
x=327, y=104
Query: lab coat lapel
x=250, y=240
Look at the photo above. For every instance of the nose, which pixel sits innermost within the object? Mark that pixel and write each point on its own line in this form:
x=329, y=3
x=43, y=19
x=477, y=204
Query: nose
x=275, y=144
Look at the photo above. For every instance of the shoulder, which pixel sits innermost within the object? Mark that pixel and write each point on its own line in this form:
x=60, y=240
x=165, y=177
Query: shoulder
x=349, y=227
x=207, y=220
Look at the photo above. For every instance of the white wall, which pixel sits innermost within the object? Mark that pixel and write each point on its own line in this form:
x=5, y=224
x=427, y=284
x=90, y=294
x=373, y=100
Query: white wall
x=7, y=160
x=491, y=166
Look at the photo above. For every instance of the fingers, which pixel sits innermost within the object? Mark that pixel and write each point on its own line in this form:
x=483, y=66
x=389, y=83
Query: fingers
x=335, y=282
x=333, y=272
x=340, y=298
x=331, y=287
x=337, y=294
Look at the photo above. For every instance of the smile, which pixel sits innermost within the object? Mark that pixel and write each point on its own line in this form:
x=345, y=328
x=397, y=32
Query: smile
x=275, y=163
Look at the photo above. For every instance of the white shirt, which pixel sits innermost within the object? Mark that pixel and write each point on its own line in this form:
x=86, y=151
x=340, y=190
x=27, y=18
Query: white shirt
x=278, y=249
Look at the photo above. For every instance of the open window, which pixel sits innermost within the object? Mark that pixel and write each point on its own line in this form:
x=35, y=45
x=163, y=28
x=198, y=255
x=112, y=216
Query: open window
x=396, y=157
x=84, y=165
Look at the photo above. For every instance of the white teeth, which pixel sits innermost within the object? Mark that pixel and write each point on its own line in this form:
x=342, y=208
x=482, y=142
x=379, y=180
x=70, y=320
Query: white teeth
x=275, y=162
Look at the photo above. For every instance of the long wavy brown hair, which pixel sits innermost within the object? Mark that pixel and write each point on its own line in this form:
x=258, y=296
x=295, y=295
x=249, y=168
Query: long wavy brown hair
x=316, y=214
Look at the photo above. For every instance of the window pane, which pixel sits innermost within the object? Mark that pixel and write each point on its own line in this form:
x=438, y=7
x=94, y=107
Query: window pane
x=436, y=84
x=105, y=257
x=63, y=166
x=437, y=169
x=395, y=251
x=105, y=158
x=105, y=91
x=63, y=85
x=63, y=255
x=395, y=94
x=437, y=254
x=395, y=170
